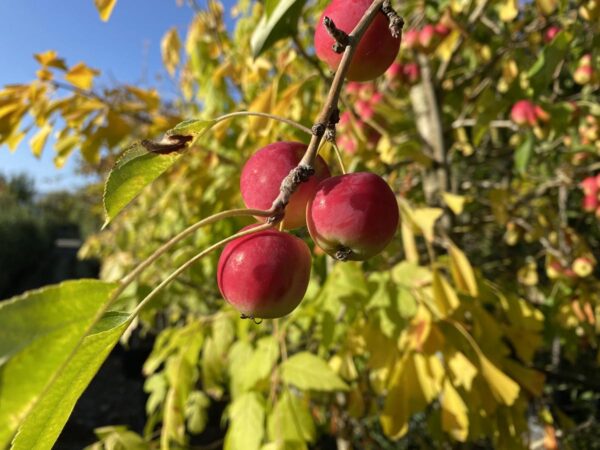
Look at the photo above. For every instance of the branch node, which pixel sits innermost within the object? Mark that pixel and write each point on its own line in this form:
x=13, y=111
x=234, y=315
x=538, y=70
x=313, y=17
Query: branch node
x=330, y=132
x=342, y=40
x=318, y=129
x=396, y=22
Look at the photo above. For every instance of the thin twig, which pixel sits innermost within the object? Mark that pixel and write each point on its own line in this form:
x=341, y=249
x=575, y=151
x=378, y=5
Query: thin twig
x=193, y=260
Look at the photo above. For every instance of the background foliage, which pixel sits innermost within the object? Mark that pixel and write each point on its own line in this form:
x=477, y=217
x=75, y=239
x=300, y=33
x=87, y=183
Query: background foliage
x=477, y=327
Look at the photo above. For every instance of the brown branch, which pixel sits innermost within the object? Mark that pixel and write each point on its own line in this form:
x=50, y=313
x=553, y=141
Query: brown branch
x=305, y=166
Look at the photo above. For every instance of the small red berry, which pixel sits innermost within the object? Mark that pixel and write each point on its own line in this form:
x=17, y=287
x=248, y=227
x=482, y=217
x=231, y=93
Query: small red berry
x=353, y=216
x=264, y=274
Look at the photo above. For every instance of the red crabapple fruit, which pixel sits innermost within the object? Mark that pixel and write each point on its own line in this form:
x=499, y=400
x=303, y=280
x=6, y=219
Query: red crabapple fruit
x=376, y=50
x=264, y=274
x=265, y=170
x=353, y=216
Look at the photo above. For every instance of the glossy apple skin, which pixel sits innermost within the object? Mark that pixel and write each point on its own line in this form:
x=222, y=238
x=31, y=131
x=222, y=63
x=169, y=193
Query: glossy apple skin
x=377, y=48
x=265, y=170
x=356, y=212
x=265, y=274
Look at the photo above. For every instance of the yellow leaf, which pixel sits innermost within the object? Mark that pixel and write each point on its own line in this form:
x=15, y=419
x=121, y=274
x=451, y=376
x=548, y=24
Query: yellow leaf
x=463, y=370
x=148, y=96
x=455, y=202
x=455, y=420
x=504, y=389
x=415, y=335
x=64, y=146
x=530, y=379
x=14, y=140
x=81, y=76
x=430, y=374
x=462, y=272
x=408, y=240
x=445, y=49
x=444, y=295
x=105, y=8
x=170, y=47
x=38, y=141
x=404, y=398
x=50, y=58
x=527, y=275
x=508, y=10
x=262, y=103
x=425, y=219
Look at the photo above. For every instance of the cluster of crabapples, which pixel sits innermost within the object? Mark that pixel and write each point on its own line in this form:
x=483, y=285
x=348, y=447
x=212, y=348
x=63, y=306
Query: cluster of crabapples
x=352, y=216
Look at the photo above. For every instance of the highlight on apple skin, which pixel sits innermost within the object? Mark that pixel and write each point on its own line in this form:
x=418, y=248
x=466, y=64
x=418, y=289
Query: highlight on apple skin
x=265, y=170
x=353, y=216
x=377, y=48
x=264, y=274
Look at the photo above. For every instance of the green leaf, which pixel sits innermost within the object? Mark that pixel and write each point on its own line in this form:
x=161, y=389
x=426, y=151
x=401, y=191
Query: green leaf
x=258, y=366
x=143, y=162
x=542, y=71
x=136, y=169
x=279, y=21
x=33, y=327
x=523, y=154
x=43, y=425
x=307, y=371
x=290, y=420
x=246, y=423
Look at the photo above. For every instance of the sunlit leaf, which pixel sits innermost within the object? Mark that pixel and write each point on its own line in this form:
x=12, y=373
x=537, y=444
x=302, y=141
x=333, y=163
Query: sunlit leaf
x=455, y=420
x=81, y=76
x=290, y=420
x=455, y=202
x=444, y=295
x=246, y=423
x=38, y=141
x=43, y=425
x=136, y=169
x=425, y=219
x=508, y=10
x=280, y=20
x=50, y=59
x=309, y=372
x=56, y=317
x=105, y=8
x=462, y=369
x=503, y=388
x=462, y=271
x=170, y=48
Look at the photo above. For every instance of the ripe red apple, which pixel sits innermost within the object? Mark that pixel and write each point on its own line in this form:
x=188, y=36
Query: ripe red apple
x=265, y=274
x=410, y=38
x=427, y=36
x=523, y=113
x=589, y=185
x=551, y=33
x=590, y=203
x=377, y=48
x=412, y=72
x=353, y=216
x=264, y=171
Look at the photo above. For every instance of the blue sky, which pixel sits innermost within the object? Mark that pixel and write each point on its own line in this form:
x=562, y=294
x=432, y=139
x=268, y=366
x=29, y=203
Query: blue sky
x=124, y=49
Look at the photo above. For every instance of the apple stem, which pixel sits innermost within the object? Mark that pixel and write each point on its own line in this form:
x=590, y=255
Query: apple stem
x=182, y=235
x=193, y=260
x=396, y=22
